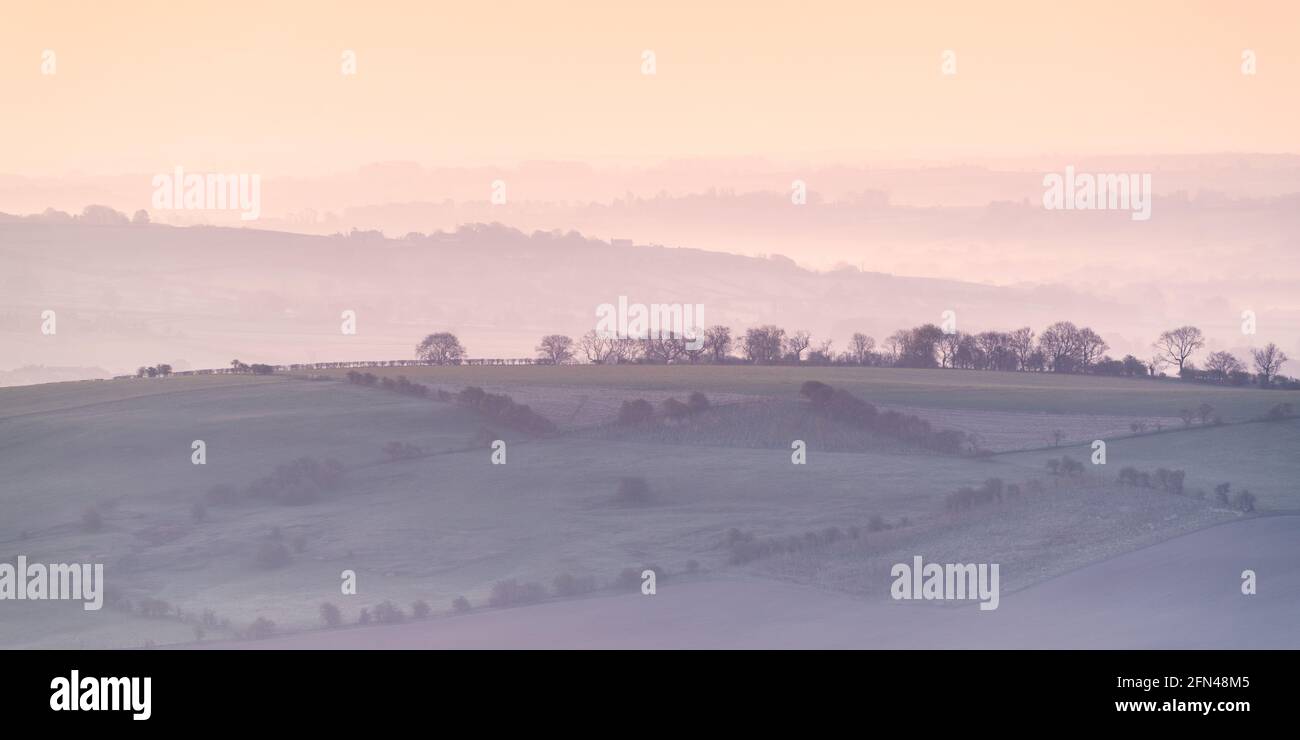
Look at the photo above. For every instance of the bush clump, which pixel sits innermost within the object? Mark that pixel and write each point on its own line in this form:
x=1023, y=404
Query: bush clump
x=387, y=612
x=504, y=409
x=843, y=406
x=330, y=615
x=635, y=412
x=302, y=481
x=260, y=629
x=513, y=593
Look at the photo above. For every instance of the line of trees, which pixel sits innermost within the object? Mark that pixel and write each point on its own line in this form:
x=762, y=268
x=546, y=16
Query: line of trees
x=1062, y=347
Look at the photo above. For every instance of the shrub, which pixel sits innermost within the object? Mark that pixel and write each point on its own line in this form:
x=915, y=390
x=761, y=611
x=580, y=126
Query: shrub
x=635, y=412
x=389, y=613
x=261, y=628
x=675, y=410
x=1221, y=493
x=420, y=610
x=697, y=402
x=513, y=593
x=1162, y=478
x=460, y=605
x=1281, y=411
x=299, y=482
x=1174, y=483
x=633, y=491
x=504, y=409
x=330, y=615
x=364, y=617
x=272, y=554
x=1244, y=501
x=817, y=392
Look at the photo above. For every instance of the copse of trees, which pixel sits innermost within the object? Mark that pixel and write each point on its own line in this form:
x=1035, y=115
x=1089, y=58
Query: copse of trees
x=845, y=407
x=256, y=369
x=161, y=370
x=503, y=408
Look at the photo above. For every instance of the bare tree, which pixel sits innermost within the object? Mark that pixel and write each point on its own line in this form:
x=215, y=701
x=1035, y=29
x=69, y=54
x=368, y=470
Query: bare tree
x=1223, y=364
x=665, y=348
x=796, y=343
x=596, y=347
x=1022, y=344
x=442, y=348
x=895, y=344
x=1090, y=347
x=1060, y=345
x=1268, y=362
x=625, y=349
x=860, y=346
x=763, y=343
x=555, y=347
x=717, y=342
x=1155, y=363
x=1176, y=345
x=948, y=346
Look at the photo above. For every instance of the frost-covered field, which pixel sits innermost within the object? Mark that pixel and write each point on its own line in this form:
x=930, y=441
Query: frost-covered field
x=102, y=472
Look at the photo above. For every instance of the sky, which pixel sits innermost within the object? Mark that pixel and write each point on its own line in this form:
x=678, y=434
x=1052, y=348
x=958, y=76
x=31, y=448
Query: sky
x=259, y=87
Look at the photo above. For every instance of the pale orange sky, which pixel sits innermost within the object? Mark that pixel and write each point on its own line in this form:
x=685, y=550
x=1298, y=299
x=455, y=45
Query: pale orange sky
x=256, y=86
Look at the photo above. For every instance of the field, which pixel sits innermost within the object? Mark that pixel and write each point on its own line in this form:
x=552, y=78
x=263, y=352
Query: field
x=447, y=522
x=1031, y=393
x=1167, y=596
